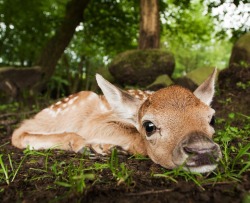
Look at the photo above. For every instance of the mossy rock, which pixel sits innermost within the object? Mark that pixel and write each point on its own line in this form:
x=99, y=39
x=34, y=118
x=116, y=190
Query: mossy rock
x=194, y=78
x=141, y=67
x=241, y=52
x=186, y=82
x=160, y=82
x=199, y=75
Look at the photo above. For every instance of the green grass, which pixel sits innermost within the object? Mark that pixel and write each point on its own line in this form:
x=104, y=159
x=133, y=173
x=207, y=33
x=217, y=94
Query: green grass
x=8, y=172
x=76, y=174
x=119, y=170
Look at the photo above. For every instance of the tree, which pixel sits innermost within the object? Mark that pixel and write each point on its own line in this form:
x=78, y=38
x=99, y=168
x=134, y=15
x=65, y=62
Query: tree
x=56, y=45
x=149, y=25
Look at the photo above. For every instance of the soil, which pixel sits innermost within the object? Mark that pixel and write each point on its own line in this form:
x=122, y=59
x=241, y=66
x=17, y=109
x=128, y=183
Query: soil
x=144, y=187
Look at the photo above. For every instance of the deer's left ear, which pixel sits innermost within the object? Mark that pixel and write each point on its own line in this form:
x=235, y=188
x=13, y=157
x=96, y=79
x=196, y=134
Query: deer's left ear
x=122, y=103
x=205, y=91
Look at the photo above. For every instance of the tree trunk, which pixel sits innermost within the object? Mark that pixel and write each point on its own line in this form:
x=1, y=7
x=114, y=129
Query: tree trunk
x=149, y=25
x=57, y=44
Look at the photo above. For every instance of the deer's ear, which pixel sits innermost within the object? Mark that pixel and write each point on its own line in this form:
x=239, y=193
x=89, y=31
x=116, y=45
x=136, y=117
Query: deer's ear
x=205, y=91
x=122, y=103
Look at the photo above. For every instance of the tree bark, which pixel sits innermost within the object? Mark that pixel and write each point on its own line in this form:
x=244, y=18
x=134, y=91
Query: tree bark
x=57, y=44
x=149, y=25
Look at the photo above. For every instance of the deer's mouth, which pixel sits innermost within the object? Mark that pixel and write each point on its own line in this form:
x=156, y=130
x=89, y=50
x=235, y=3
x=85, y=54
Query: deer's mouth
x=202, y=163
x=197, y=153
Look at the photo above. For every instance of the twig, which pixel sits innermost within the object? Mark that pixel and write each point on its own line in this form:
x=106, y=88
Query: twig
x=150, y=192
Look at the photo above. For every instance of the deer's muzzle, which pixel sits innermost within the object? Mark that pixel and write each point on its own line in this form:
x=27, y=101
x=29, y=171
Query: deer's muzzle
x=197, y=153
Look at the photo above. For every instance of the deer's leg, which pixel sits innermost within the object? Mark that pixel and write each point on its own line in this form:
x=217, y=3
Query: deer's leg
x=106, y=149
x=64, y=141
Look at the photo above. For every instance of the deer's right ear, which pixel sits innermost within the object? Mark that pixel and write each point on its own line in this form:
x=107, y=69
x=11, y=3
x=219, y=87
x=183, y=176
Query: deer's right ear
x=123, y=104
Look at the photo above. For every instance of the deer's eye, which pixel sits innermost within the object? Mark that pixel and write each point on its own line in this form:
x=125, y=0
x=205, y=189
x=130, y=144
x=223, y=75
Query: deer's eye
x=212, y=121
x=149, y=127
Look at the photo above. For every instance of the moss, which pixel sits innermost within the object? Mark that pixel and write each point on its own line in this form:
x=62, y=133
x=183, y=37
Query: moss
x=135, y=56
x=163, y=80
x=141, y=67
x=200, y=74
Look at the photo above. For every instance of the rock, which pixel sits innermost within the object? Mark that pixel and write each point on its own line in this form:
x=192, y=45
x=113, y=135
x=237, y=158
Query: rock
x=194, y=78
x=141, y=67
x=14, y=81
x=186, y=82
x=199, y=75
x=241, y=51
x=160, y=82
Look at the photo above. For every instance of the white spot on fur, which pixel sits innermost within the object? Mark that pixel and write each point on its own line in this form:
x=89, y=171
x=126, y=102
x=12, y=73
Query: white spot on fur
x=58, y=103
x=71, y=101
x=149, y=92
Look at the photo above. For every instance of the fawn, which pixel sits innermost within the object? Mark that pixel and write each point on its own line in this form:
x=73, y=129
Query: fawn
x=173, y=126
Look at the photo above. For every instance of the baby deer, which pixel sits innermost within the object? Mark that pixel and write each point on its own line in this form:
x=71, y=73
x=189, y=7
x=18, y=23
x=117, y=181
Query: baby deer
x=173, y=126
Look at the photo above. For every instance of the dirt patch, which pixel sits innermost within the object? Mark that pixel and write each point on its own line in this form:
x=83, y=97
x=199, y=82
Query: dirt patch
x=33, y=183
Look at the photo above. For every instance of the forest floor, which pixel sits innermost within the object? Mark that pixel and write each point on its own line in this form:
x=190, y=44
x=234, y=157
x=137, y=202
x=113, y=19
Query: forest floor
x=58, y=176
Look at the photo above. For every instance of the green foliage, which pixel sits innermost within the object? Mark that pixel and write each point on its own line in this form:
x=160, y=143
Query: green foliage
x=109, y=27
x=189, y=33
x=8, y=174
x=114, y=28
x=25, y=27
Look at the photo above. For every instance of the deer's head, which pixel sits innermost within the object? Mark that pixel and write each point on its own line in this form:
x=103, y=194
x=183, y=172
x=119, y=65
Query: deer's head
x=175, y=124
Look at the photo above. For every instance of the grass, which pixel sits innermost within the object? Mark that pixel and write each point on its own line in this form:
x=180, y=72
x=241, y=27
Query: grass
x=119, y=170
x=78, y=173
x=8, y=171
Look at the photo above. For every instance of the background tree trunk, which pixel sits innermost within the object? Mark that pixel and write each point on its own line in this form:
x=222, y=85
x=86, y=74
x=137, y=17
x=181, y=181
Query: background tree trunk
x=57, y=44
x=149, y=25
